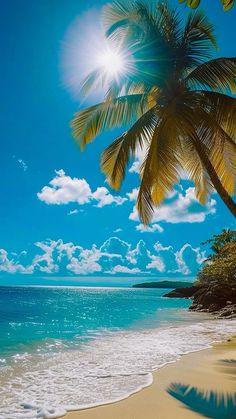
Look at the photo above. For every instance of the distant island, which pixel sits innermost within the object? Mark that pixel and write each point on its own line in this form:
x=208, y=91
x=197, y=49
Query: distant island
x=164, y=284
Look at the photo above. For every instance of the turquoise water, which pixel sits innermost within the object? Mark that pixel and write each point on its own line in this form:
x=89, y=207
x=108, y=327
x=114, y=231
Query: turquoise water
x=62, y=349
x=33, y=315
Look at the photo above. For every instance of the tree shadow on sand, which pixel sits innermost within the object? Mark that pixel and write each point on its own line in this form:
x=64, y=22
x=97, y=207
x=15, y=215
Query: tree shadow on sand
x=229, y=361
x=228, y=366
x=210, y=404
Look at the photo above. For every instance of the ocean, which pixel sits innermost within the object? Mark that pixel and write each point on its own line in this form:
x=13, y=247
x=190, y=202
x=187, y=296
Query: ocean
x=66, y=348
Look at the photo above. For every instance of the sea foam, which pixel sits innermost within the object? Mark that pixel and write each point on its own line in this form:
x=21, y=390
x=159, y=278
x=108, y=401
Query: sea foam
x=108, y=368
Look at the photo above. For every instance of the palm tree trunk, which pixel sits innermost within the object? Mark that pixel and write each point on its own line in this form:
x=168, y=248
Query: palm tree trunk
x=215, y=179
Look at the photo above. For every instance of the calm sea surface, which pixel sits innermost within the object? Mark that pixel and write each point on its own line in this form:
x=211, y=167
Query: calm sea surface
x=65, y=348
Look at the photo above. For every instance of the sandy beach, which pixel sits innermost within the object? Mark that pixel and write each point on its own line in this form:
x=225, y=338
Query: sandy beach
x=207, y=370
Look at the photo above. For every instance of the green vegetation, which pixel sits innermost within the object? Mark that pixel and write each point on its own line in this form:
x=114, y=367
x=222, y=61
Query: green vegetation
x=175, y=101
x=164, y=284
x=220, y=266
x=227, y=4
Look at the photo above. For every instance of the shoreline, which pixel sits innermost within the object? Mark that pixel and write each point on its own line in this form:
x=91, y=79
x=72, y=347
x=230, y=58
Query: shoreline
x=207, y=370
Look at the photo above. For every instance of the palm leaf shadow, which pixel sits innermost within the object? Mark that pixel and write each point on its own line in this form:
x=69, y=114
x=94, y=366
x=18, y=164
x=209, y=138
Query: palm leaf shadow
x=228, y=366
x=229, y=361
x=210, y=404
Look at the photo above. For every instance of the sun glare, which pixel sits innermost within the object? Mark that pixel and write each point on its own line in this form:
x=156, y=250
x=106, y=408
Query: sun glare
x=112, y=62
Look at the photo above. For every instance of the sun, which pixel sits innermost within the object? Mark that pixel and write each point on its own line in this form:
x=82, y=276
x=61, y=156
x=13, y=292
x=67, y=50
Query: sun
x=111, y=62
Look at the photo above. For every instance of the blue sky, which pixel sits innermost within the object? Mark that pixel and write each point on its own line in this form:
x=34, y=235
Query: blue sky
x=58, y=216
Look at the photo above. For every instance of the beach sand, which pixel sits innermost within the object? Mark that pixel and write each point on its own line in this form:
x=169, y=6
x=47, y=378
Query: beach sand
x=206, y=370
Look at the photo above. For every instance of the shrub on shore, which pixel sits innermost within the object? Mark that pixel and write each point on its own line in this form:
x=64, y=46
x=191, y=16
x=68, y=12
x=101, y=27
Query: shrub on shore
x=220, y=266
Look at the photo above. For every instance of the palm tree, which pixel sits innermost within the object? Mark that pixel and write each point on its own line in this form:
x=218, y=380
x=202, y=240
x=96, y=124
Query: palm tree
x=227, y=4
x=175, y=100
x=219, y=241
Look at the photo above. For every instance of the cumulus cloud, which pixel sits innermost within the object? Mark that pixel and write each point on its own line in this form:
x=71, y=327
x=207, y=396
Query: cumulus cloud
x=47, y=261
x=12, y=265
x=84, y=267
x=182, y=257
x=135, y=167
x=156, y=263
x=114, y=256
x=149, y=229
x=103, y=197
x=115, y=247
x=124, y=270
x=181, y=206
x=140, y=154
x=133, y=195
x=63, y=189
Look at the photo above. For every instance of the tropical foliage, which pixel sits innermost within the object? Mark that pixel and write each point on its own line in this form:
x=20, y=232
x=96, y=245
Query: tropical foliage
x=227, y=4
x=220, y=266
x=176, y=102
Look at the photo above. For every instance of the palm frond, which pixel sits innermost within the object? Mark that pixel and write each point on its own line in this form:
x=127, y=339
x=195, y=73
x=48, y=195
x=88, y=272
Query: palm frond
x=218, y=74
x=183, y=128
x=150, y=33
x=167, y=165
x=212, y=144
x=116, y=157
x=89, y=123
x=223, y=159
x=168, y=22
x=122, y=22
x=222, y=109
x=195, y=170
x=93, y=80
x=118, y=14
x=161, y=168
x=172, y=100
x=197, y=40
x=145, y=204
x=221, y=149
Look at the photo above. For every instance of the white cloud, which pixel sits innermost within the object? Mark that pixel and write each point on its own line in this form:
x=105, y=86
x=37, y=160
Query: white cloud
x=180, y=207
x=182, y=257
x=115, y=247
x=114, y=256
x=85, y=268
x=135, y=167
x=23, y=164
x=66, y=249
x=63, y=189
x=139, y=255
x=46, y=262
x=157, y=264
x=133, y=195
x=103, y=197
x=159, y=247
x=12, y=265
x=124, y=270
x=118, y=230
x=140, y=154
x=149, y=229
x=73, y=212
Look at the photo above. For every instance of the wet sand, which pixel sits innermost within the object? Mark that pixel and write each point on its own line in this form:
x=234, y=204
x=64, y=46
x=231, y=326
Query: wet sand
x=207, y=370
